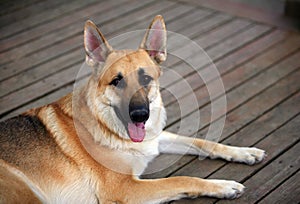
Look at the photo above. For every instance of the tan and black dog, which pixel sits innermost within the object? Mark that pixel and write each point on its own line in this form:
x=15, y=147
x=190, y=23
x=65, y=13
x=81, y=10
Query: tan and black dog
x=91, y=145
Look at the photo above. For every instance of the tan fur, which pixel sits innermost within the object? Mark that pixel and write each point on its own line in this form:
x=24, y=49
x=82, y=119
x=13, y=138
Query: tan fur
x=77, y=151
x=18, y=191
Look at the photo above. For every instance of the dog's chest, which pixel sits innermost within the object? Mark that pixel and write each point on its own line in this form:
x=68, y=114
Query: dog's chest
x=141, y=154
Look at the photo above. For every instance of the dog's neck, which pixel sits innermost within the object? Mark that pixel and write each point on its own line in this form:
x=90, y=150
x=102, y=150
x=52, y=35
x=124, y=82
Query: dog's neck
x=75, y=106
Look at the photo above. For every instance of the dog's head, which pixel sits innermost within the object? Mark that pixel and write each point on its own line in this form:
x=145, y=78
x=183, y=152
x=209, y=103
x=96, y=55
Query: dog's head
x=124, y=89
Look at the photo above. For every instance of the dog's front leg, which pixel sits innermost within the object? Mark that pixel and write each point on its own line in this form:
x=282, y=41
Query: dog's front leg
x=172, y=143
x=173, y=188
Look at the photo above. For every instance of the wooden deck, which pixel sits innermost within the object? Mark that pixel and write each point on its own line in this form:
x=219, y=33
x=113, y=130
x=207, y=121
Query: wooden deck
x=41, y=52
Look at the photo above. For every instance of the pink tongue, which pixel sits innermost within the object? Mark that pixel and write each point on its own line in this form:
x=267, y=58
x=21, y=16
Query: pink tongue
x=136, y=131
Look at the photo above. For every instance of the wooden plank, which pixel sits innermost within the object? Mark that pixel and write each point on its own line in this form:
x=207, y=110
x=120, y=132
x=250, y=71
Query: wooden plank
x=259, y=104
x=205, y=26
x=275, y=173
x=272, y=119
x=129, y=21
x=235, y=79
x=199, y=17
x=31, y=76
x=189, y=19
x=243, y=93
x=264, y=60
x=18, y=101
x=278, y=93
x=53, y=32
x=275, y=144
x=75, y=17
x=42, y=16
x=228, y=63
x=53, y=66
x=202, y=27
x=253, y=49
x=41, y=93
x=63, y=47
x=237, y=41
x=6, y=88
x=43, y=100
x=220, y=50
x=45, y=86
x=168, y=17
x=20, y=10
x=288, y=192
x=74, y=29
x=241, y=9
x=52, y=52
x=37, y=73
x=229, y=29
x=144, y=15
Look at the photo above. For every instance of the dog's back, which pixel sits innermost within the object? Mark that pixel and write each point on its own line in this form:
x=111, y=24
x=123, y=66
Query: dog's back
x=23, y=138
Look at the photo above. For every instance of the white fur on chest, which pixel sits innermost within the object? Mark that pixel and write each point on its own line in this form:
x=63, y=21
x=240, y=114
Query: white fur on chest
x=140, y=154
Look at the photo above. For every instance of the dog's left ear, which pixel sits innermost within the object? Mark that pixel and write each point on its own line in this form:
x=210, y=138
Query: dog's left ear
x=96, y=46
x=155, y=40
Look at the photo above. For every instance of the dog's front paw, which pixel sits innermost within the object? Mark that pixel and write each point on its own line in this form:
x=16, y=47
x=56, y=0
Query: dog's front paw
x=227, y=189
x=248, y=155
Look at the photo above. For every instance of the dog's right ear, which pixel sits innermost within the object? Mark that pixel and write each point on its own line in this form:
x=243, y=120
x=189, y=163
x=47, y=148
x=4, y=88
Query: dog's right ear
x=155, y=40
x=96, y=46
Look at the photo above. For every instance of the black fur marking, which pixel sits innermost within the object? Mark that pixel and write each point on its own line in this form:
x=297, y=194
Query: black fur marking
x=24, y=141
x=144, y=79
x=141, y=71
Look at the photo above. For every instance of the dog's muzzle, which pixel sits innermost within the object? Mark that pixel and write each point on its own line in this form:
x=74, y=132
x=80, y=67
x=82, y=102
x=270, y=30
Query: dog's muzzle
x=139, y=114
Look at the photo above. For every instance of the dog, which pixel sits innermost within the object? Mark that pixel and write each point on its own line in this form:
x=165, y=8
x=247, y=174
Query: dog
x=92, y=145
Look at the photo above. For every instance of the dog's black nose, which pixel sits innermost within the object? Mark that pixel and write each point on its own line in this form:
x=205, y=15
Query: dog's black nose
x=139, y=114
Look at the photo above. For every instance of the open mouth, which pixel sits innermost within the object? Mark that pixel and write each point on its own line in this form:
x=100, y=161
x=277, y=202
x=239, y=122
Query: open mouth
x=136, y=131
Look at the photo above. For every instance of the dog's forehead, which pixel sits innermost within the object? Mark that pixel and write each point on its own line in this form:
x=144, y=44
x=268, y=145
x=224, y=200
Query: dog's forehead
x=128, y=62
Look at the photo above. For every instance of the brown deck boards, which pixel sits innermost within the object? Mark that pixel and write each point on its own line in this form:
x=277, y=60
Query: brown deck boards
x=41, y=53
x=17, y=10
x=52, y=10
x=282, y=193
x=16, y=34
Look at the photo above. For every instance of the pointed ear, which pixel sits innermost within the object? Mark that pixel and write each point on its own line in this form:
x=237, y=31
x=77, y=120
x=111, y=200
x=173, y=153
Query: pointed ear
x=96, y=46
x=155, y=40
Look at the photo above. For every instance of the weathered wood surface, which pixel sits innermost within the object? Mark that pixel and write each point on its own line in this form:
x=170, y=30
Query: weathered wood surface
x=41, y=53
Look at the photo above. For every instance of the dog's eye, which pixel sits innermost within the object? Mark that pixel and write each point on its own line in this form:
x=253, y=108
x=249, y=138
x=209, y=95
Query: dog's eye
x=115, y=82
x=118, y=82
x=145, y=80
